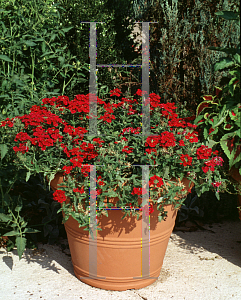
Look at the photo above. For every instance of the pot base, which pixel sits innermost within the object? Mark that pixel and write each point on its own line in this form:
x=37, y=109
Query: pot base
x=117, y=254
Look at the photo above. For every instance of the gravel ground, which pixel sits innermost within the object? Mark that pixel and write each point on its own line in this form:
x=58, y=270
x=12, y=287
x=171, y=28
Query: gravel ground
x=204, y=264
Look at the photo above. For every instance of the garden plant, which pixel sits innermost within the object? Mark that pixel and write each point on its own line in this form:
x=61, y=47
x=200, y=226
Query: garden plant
x=53, y=138
x=219, y=116
x=49, y=135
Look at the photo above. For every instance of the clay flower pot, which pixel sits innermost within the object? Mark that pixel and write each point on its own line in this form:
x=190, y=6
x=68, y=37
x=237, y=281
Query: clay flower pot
x=117, y=258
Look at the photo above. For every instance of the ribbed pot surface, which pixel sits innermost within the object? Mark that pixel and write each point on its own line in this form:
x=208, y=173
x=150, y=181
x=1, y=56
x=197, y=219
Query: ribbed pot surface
x=119, y=247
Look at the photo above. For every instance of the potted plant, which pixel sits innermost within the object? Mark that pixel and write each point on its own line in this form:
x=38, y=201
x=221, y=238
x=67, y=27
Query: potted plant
x=53, y=140
x=218, y=117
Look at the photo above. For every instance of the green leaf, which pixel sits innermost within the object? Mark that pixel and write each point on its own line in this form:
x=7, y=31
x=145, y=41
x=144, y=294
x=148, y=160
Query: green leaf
x=237, y=58
x=221, y=120
x=4, y=150
x=6, y=58
x=224, y=62
x=30, y=43
x=10, y=245
x=224, y=142
x=21, y=244
x=231, y=51
x=67, y=29
x=228, y=15
x=236, y=73
x=4, y=218
x=211, y=143
x=18, y=208
x=30, y=230
x=28, y=175
x=12, y=233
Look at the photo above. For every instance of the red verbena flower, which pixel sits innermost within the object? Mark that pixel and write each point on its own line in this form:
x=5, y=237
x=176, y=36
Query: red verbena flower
x=77, y=190
x=115, y=92
x=186, y=160
x=59, y=196
x=138, y=191
x=204, y=152
x=22, y=148
x=156, y=180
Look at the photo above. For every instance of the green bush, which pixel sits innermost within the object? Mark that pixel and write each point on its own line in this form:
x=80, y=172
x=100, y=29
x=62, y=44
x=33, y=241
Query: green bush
x=114, y=45
x=35, y=61
x=181, y=63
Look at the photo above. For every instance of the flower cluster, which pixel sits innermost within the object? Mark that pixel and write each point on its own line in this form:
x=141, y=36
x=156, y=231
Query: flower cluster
x=53, y=137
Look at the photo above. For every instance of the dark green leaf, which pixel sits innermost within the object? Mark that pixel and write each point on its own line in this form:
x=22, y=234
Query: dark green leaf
x=4, y=218
x=30, y=230
x=18, y=208
x=231, y=51
x=21, y=244
x=228, y=15
x=67, y=29
x=224, y=62
x=237, y=58
x=30, y=43
x=12, y=233
x=6, y=58
x=4, y=150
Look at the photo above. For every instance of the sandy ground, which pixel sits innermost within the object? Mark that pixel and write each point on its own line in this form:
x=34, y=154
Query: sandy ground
x=204, y=264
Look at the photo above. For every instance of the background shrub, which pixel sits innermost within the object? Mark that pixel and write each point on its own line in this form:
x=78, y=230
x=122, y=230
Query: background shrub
x=35, y=60
x=181, y=65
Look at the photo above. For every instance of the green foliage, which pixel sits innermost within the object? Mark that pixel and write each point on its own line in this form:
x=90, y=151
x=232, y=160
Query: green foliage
x=65, y=148
x=181, y=63
x=219, y=116
x=114, y=44
x=13, y=222
x=35, y=61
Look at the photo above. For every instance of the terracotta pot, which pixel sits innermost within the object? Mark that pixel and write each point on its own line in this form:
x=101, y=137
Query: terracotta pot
x=118, y=258
x=234, y=172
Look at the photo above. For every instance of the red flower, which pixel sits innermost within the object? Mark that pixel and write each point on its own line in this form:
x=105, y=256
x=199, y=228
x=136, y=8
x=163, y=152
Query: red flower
x=107, y=117
x=152, y=141
x=167, y=139
x=150, y=150
x=186, y=160
x=125, y=149
x=216, y=184
x=138, y=191
x=22, y=136
x=115, y=92
x=192, y=137
x=67, y=169
x=210, y=165
x=59, y=196
x=77, y=190
x=22, y=148
x=181, y=143
x=204, y=152
x=156, y=178
x=139, y=92
x=7, y=122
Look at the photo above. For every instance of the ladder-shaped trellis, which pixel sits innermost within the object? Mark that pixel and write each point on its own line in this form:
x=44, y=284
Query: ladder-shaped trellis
x=145, y=132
